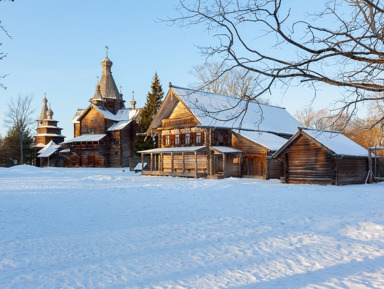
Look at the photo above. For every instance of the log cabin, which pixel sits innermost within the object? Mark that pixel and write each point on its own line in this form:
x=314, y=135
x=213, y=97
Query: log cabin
x=105, y=131
x=48, y=136
x=200, y=137
x=323, y=157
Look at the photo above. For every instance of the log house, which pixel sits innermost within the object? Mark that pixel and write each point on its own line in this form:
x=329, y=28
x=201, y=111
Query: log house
x=323, y=157
x=195, y=143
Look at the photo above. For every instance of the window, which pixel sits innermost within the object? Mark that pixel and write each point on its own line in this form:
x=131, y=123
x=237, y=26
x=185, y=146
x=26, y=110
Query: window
x=91, y=130
x=116, y=141
x=166, y=140
x=187, y=138
x=177, y=139
x=198, y=137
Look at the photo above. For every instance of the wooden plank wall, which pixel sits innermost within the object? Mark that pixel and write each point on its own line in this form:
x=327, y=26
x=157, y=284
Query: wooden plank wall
x=275, y=169
x=352, y=170
x=308, y=163
x=93, y=120
x=189, y=163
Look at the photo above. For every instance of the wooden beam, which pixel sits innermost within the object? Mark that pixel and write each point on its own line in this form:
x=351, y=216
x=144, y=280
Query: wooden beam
x=224, y=162
x=183, y=161
x=172, y=163
x=151, y=167
x=370, y=170
x=161, y=162
x=195, y=164
x=142, y=162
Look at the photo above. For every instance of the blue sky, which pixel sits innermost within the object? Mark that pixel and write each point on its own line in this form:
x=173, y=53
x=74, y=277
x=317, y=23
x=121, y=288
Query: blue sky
x=57, y=46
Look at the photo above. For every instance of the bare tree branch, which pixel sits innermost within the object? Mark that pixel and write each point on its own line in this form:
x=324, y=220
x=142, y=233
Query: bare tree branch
x=342, y=45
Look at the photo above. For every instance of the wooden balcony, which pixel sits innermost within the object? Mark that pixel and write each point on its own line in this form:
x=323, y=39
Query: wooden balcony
x=178, y=122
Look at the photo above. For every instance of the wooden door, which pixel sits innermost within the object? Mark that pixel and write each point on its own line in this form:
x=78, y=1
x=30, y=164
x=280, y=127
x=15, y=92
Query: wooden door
x=253, y=166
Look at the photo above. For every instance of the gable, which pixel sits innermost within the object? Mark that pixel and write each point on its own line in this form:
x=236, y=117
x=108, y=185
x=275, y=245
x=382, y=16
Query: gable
x=172, y=108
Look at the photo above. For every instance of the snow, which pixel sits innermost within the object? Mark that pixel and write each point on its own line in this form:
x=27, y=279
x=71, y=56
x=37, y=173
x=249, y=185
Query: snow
x=174, y=149
x=268, y=140
x=119, y=125
x=49, y=151
x=221, y=108
x=139, y=166
x=225, y=150
x=337, y=142
x=86, y=137
x=111, y=228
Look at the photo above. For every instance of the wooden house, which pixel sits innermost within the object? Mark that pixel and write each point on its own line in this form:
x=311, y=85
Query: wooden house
x=48, y=135
x=323, y=157
x=104, y=132
x=199, y=136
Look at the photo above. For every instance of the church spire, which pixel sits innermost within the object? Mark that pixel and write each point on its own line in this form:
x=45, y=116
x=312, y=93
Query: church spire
x=44, y=110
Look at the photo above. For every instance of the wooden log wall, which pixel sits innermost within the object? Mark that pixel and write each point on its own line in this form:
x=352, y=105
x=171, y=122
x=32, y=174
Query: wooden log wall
x=92, y=122
x=352, y=170
x=275, y=169
x=306, y=162
x=189, y=163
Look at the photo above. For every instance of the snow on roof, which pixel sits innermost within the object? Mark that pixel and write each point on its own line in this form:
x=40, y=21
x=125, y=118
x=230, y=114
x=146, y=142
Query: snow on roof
x=174, y=149
x=79, y=112
x=225, y=150
x=217, y=110
x=86, y=137
x=39, y=145
x=51, y=143
x=121, y=114
x=337, y=142
x=139, y=167
x=48, y=150
x=268, y=140
x=50, y=134
x=119, y=125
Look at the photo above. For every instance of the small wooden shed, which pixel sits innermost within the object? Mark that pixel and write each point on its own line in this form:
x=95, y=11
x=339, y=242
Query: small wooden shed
x=323, y=157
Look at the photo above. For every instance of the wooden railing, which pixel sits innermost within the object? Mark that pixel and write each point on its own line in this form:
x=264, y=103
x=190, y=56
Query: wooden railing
x=178, y=122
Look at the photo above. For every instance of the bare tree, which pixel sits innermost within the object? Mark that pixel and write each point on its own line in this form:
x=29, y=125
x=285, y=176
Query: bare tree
x=342, y=45
x=212, y=77
x=19, y=117
x=322, y=119
x=3, y=54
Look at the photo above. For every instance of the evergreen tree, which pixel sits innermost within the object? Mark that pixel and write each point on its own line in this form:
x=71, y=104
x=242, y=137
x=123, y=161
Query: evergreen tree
x=11, y=145
x=152, y=105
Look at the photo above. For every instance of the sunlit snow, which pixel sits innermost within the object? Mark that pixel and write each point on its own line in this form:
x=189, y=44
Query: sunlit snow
x=111, y=228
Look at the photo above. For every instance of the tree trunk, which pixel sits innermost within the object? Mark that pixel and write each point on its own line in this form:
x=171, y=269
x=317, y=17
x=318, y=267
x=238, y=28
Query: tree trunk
x=21, y=147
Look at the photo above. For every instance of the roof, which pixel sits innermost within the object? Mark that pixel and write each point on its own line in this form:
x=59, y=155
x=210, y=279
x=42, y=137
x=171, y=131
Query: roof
x=334, y=142
x=79, y=112
x=217, y=110
x=267, y=140
x=49, y=134
x=225, y=150
x=139, y=166
x=174, y=149
x=48, y=149
x=107, y=84
x=86, y=137
x=119, y=125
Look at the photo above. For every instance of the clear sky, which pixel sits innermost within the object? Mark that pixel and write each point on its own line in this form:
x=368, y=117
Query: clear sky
x=57, y=47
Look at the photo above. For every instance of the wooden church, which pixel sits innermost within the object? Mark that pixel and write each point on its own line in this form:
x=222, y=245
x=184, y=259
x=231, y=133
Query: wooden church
x=207, y=135
x=48, y=135
x=105, y=131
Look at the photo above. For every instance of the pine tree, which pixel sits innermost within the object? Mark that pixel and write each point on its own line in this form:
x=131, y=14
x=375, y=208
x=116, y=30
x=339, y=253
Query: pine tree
x=152, y=105
x=12, y=145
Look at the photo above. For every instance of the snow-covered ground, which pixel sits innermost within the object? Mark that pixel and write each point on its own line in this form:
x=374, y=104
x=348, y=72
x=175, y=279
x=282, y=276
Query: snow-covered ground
x=109, y=228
